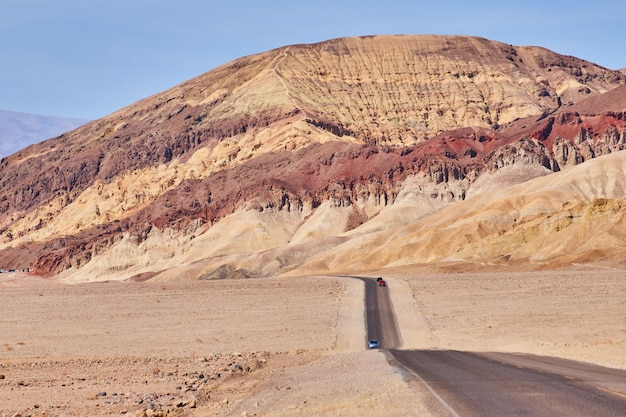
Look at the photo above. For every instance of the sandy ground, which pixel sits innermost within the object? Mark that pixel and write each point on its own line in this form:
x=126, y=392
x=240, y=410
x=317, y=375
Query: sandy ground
x=279, y=347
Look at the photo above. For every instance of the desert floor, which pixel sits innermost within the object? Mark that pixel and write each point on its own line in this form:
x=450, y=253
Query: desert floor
x=280, y=346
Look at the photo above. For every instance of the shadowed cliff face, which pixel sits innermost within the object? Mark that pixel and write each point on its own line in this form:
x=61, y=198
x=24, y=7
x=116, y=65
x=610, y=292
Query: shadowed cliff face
x=302, y=147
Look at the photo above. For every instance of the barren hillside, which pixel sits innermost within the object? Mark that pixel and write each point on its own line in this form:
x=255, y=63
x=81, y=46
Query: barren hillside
x=316, y=157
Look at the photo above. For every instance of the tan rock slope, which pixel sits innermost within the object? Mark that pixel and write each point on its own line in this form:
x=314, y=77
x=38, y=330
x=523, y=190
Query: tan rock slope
x=350, y=154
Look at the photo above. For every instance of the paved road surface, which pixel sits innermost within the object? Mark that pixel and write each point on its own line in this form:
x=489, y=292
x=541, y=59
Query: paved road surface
x=471, y=385
x=381, y=321
x=466, y=384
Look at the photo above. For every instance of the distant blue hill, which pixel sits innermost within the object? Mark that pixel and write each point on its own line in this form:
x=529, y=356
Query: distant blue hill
x=18, y=130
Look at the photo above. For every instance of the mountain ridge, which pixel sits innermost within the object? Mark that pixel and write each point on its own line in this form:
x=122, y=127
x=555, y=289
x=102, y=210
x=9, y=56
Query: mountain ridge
x=321, y=138
x=18, y=129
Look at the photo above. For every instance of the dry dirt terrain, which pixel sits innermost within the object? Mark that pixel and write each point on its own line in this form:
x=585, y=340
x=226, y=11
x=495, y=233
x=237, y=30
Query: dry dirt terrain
x=270, y=346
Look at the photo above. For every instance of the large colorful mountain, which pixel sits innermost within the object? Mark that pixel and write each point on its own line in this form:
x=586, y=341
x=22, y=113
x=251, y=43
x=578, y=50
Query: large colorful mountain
x=358, y=154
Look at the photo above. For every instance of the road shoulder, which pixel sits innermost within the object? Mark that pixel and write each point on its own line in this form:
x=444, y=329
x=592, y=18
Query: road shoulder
x=415, y=332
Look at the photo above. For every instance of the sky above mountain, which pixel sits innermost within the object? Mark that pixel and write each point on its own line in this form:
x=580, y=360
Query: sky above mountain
x=79, y=59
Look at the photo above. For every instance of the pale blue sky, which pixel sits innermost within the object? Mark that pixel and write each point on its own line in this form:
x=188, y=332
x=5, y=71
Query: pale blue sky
x=89, y=58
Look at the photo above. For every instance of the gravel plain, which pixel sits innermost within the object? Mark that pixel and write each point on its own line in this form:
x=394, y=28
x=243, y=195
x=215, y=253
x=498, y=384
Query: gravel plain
x=280, y=346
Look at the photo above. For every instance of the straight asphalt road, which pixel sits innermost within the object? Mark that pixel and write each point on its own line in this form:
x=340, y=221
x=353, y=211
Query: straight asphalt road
x=467, y=384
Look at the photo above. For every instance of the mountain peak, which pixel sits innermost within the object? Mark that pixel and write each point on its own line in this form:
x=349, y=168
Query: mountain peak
x=263, y=161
